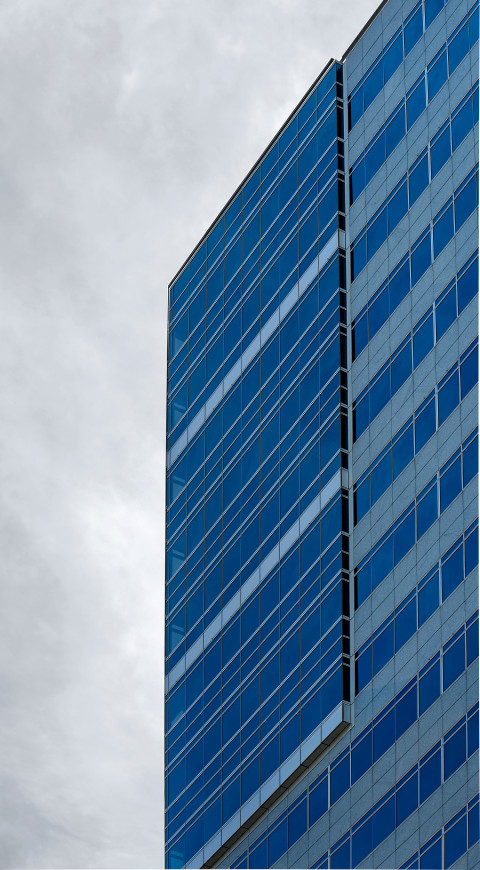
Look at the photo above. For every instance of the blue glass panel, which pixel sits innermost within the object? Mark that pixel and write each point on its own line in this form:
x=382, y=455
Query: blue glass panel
x=383, y=735
x=455, y=841
x=432, y=8
x=437, y=75
x=378, y=312
x=405, y=712
x=395, y=130
x=443, y=230
x=393, y=57
x=471, y=551
x=258, y=856
x=359, y=335
x=375, y=157
x=297, y=822
x=384, y=821
x=467, y=286
x=455, y=751
x=404, y=537
x=445, y=312
x=458, y=48
x=340, y=858
x=373, y=84
x=421, y=258
x=416, y=102
x=428, y=599
x=407, y=799
x=379, y=394
x=450, y=484
x=473, y=27
x=431, y=858
x=462, y=123
x=231, y=800
x=362, y=842
x=383, y=648
x=377, y=233
x=430, y=775
x=382, y=562
x=363, y=583
x=339, y=781
x=362, y=500
x=363, y=669
x=405, y=624
x=381, y=477
x=472, y=643
x=277, y=842
x=355, y=107
x=425, y=425
x=453, y=662
x=402, y=451
x=429, y=687
x=440, y=151
x=401, y=366
x=465, y=202
x=413, y=30
x=399, y=285
x=318, y=801
x=452, y=572
x=359, y=256
x=427, y=511
x=361, y=757
x=473, y=825
x=469, y=372
x=418, y=179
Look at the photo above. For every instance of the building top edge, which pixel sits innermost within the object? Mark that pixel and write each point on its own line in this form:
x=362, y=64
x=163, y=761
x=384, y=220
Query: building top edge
x=363, y=30
x=254, y=167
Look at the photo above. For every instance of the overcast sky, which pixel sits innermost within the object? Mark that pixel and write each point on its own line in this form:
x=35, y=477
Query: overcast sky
x=125, y=126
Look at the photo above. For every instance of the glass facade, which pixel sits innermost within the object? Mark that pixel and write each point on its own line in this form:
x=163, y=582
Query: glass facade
x=322, y=455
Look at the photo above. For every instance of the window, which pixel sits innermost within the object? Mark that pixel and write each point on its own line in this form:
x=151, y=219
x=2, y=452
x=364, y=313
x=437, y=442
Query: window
x=442, y=230
x=440, y=150
x=418, y=178
x=437, y=74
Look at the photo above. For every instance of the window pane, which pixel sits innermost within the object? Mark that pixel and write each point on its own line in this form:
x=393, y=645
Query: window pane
x=357, y=180
x=381, y=477
x=428, y=599
x=359, y=256
x=458, y=48
x=399, y=286
x=432, y=8
x=383, y=735
x=393, y=57
x=455, y=751
x=376, y=234
x=416, y=103
x=384, y=821
x=379, y=394
x=382, y=562
x=427, y=511
x=462, y=123
x=431, y=859
x=445, y=312
x=437, y=75
x=469, y=372
x=429, y=687
x=404, y=537
x=383, y=648
x=297, y=822
x=423, y=340
x=397, y=207
x=455, y=841
x=448, y=397
x=378, y=312
x=362, y=842
x=375, y=157
x=421, y=258
x=361, y=757
x=467, y=286
x=465, y=202
x=339, y=780
x=430, y=776
x=373, y=84
x=413, y=30
x=405, y=624
x=470, y=461
x=395, y=130
x=450, y=484
x=443, y=230
x=418, y=179
x=425, y=425
x=440, y=151
x=452, y=572
x=453, y=662
x=277, y=842
x=318, y=801
x=405, y=712
x=407, y=799
x=355, y=107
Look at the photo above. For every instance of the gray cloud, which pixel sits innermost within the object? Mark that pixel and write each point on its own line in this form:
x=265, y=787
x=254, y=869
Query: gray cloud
x=124, y=128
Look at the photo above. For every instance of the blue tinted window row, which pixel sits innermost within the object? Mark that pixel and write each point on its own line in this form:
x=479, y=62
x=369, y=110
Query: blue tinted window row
x=417, y=607
x=220, y=387
x=213, y=808
x=414, y=182
x=414, y=347
x=229, y=341
x=268, y=655
x=421, y=426
x=391, y=57
x=417, y=518
x=245, y=532
x=287, y=594
x=445, y=224
x=273, y=376
x=389, y=295
x=255, y=186
x=359, y=757
x=445, y=848
x=410, y=108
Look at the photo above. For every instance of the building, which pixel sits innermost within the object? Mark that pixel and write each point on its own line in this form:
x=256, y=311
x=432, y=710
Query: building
x=322, y=532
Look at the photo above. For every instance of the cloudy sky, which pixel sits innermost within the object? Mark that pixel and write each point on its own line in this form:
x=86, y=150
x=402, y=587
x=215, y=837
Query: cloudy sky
x=125, y=125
